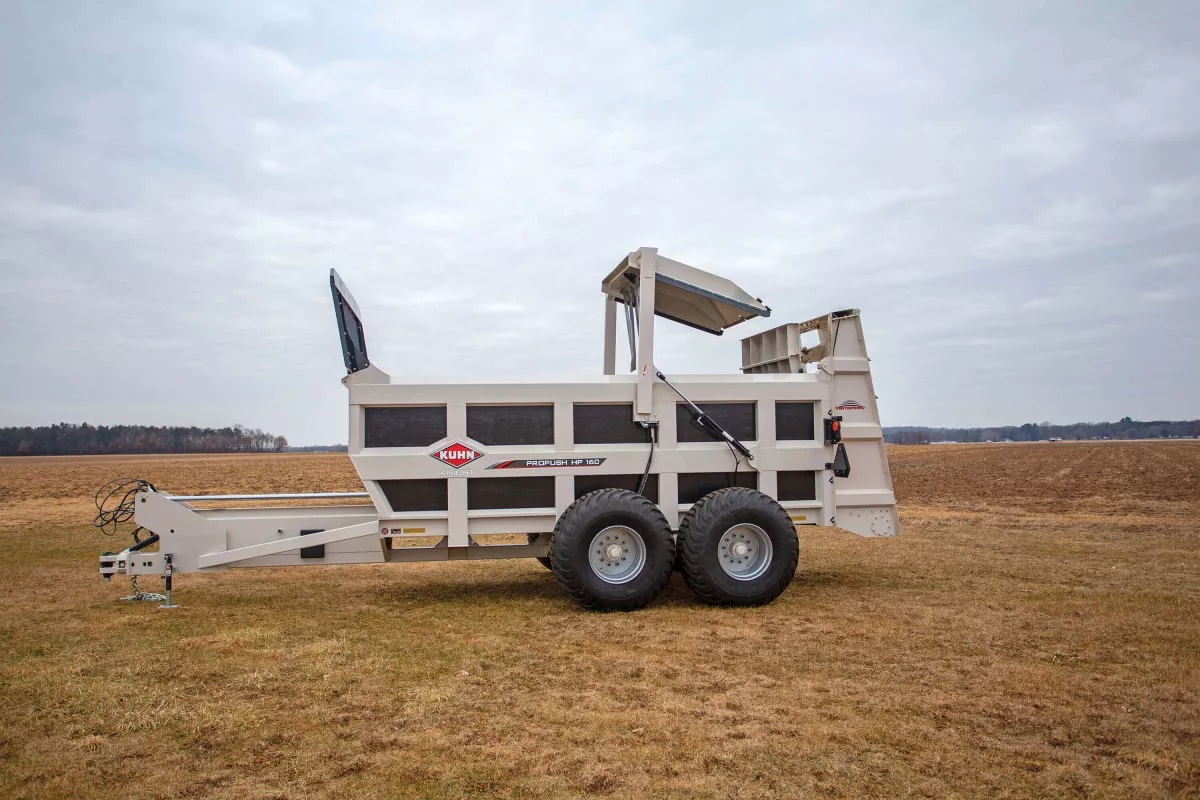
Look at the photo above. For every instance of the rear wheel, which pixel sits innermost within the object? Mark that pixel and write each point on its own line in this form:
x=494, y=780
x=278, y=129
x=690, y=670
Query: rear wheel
x=612, y=550
x=737, y=547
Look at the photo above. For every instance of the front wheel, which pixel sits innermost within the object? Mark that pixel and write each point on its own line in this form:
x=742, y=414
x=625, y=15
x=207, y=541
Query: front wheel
x=612, y=551
x=544, y=560
x=738, y=548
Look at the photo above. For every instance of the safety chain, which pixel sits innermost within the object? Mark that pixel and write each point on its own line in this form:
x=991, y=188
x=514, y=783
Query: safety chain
x=144, y=597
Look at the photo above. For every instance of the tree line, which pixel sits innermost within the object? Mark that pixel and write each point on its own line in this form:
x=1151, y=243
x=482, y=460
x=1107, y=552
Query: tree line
x=1126, y=428
x=70, y=439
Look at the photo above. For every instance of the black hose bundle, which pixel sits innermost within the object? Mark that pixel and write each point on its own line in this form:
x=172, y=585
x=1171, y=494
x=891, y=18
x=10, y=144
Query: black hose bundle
x=652, y=434
x=115, y=504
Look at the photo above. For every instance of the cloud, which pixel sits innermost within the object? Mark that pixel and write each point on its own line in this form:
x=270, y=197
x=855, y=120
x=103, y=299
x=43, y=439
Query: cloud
x=1011, y=195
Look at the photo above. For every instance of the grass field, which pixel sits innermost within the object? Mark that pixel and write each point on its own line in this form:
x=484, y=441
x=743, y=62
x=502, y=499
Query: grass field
x=1034, y=632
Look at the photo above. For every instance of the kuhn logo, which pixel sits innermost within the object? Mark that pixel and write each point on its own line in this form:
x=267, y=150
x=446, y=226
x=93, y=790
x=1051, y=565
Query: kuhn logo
x=457, y=455
x=850, y=405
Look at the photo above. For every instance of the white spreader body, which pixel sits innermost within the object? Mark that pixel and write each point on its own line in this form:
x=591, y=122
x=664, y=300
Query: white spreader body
x=462, y=471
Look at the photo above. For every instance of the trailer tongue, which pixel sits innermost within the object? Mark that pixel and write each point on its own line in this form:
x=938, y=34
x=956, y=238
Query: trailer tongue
x=611, y=482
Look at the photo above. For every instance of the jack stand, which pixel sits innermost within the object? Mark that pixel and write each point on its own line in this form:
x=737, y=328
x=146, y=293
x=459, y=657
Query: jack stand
x=167, y=582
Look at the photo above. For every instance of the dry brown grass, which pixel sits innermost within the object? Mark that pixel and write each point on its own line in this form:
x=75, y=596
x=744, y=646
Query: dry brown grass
x=1033, y=633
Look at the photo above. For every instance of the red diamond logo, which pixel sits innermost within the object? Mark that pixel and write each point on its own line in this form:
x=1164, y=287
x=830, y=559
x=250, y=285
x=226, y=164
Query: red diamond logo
x=457, y=454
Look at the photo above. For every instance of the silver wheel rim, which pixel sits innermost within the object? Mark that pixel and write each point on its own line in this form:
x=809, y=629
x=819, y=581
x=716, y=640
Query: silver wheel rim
x=617, y=554
x=745, y=551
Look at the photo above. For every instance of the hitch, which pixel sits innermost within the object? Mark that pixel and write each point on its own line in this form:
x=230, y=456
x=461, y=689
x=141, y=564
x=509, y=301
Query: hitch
x=132, y=563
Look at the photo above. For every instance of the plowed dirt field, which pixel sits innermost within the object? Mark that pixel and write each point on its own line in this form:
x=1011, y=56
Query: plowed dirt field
x=1035, y=632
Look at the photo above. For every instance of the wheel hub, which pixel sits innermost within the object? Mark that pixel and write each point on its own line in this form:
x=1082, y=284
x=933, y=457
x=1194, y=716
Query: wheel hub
x=745, y=552
x=617, y=554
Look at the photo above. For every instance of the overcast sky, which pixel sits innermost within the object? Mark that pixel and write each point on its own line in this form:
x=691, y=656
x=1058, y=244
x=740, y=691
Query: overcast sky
x=1010, y=192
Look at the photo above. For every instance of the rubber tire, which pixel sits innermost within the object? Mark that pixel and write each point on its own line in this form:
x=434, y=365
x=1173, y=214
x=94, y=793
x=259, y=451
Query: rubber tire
x=573, y=536
x=544, y=561
x=685, y=522
x=700, y=534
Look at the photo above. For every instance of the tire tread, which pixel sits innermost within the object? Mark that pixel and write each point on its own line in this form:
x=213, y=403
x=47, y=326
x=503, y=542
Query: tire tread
x=690, y=548
x=570, y=576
